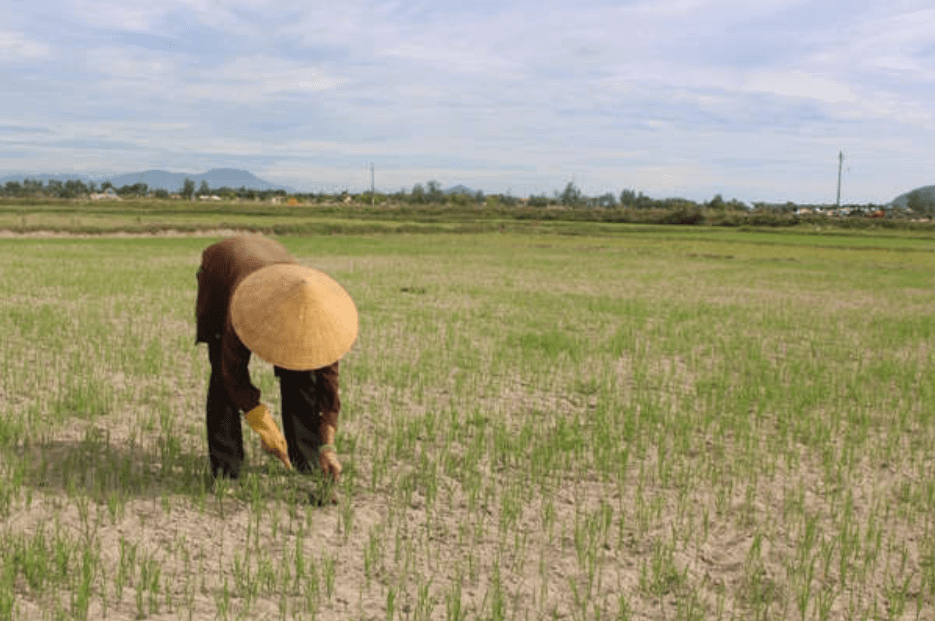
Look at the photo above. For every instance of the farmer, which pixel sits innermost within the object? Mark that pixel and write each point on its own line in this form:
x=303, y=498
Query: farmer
x=253, y=297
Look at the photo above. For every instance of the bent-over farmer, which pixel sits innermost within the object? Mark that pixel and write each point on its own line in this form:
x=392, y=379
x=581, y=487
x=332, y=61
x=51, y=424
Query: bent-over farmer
x=253, y=297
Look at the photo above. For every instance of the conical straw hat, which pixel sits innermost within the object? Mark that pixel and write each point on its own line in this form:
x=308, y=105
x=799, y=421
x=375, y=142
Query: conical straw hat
x=294, y=316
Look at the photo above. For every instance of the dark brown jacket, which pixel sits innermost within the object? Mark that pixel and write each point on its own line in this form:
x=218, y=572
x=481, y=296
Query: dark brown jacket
x=223, y=266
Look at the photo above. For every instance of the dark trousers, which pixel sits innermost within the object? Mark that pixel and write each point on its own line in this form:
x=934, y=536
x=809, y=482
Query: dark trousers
x=300, y=419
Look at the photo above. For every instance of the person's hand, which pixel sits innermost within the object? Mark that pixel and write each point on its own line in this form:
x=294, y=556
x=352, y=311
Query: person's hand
x=328, y=460
x=273, y=443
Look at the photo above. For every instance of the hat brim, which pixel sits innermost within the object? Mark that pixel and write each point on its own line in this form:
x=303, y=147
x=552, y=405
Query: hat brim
x=294, y=316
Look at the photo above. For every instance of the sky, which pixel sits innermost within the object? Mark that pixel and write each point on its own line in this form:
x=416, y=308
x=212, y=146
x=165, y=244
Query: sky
x=752, y=100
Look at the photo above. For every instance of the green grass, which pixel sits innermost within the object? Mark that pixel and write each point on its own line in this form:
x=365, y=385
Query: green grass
x=640, y=422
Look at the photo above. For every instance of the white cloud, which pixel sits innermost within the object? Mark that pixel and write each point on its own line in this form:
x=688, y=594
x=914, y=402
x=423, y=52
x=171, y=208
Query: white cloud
x=800, y=84
x=132, y=73
x=16, y=45
x=118, y=15
x=271, y=75
x=131, y=64
x=455, y=57
x=265, y=91
x=142, y=17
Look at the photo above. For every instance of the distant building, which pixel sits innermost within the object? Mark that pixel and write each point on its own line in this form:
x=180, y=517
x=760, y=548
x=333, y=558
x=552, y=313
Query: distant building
x=107, y=194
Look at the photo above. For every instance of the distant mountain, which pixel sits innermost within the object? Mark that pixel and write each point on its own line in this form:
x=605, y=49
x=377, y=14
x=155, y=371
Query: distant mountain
x=928, y=192
x=217, y=178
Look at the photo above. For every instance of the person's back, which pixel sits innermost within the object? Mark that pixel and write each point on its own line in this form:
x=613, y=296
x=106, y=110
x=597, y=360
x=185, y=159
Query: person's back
x=223, y=266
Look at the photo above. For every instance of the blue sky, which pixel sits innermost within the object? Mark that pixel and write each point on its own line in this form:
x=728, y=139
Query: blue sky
x=749, y=99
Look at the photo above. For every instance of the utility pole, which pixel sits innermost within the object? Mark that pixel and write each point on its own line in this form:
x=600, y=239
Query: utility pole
x=840, y=165
x=372, y=195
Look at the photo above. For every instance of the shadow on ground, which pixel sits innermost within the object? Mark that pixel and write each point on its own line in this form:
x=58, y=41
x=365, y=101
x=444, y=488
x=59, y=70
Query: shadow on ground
x=96, y=467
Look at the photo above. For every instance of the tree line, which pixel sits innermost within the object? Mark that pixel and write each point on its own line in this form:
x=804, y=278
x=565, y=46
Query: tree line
x=431, y=193
x=77, y=189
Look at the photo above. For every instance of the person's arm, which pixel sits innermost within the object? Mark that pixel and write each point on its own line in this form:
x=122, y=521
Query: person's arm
x=235, y=360
x=329, y=402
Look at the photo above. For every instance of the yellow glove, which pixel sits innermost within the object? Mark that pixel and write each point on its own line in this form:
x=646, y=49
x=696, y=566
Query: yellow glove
x=261, y=422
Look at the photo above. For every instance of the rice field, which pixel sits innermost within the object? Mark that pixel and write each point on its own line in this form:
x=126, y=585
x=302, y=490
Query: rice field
x=650, y=423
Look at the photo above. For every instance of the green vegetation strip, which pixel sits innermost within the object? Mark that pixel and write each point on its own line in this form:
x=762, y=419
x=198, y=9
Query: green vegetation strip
x=149, y=215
